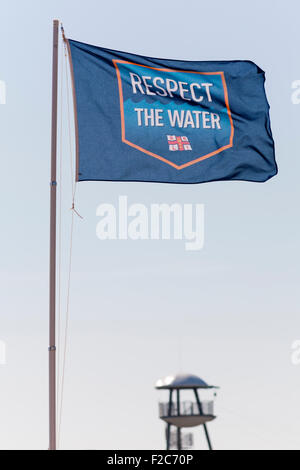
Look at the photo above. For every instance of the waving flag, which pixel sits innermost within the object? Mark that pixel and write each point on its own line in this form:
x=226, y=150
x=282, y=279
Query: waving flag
x=146, y=119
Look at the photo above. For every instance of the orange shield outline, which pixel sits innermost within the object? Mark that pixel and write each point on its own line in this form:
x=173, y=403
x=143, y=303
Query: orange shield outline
x=159, y=157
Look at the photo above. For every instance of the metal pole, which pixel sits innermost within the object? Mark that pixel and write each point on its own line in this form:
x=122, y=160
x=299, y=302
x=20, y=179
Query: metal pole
x=178, y=414
x=168, y=435
x=179, y=438
x=52, y=274
x=168, y=430
x=204, y=425
x=207, y=437
x=178, y=402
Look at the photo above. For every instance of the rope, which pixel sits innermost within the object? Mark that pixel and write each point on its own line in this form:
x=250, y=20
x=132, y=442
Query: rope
x=73, y=184
x=66, y=336
x=74, y=211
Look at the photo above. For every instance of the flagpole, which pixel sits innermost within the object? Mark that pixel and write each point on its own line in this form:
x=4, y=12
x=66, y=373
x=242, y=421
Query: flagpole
x=52, y=273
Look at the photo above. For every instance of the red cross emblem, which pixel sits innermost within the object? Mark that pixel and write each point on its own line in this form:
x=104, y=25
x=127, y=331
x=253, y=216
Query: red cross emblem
x=178, y=143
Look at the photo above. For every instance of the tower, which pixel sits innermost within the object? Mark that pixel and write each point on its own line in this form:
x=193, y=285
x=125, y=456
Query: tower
x=185, y=413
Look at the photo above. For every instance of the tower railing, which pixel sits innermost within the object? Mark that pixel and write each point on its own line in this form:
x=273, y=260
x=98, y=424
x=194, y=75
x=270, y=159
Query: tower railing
x=187, y=408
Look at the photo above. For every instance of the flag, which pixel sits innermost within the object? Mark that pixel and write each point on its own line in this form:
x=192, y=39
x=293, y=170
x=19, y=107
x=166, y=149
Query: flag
x=146, y=119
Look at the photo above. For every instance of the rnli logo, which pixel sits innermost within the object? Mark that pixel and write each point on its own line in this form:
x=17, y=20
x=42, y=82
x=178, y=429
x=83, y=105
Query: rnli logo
x=178, y=143
x=190, y=108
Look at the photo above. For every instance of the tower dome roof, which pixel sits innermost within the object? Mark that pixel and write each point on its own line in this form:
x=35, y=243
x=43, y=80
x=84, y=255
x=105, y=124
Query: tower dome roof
x=181, y=381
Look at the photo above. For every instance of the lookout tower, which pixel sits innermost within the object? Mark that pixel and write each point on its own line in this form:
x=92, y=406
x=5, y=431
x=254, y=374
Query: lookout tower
x=182, y=413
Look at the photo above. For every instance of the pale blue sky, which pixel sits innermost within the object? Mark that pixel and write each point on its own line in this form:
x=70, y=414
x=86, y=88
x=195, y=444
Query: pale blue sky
x=233, y=307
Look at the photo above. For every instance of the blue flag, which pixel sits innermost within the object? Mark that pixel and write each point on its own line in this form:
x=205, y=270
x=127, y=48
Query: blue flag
x=172, y=121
